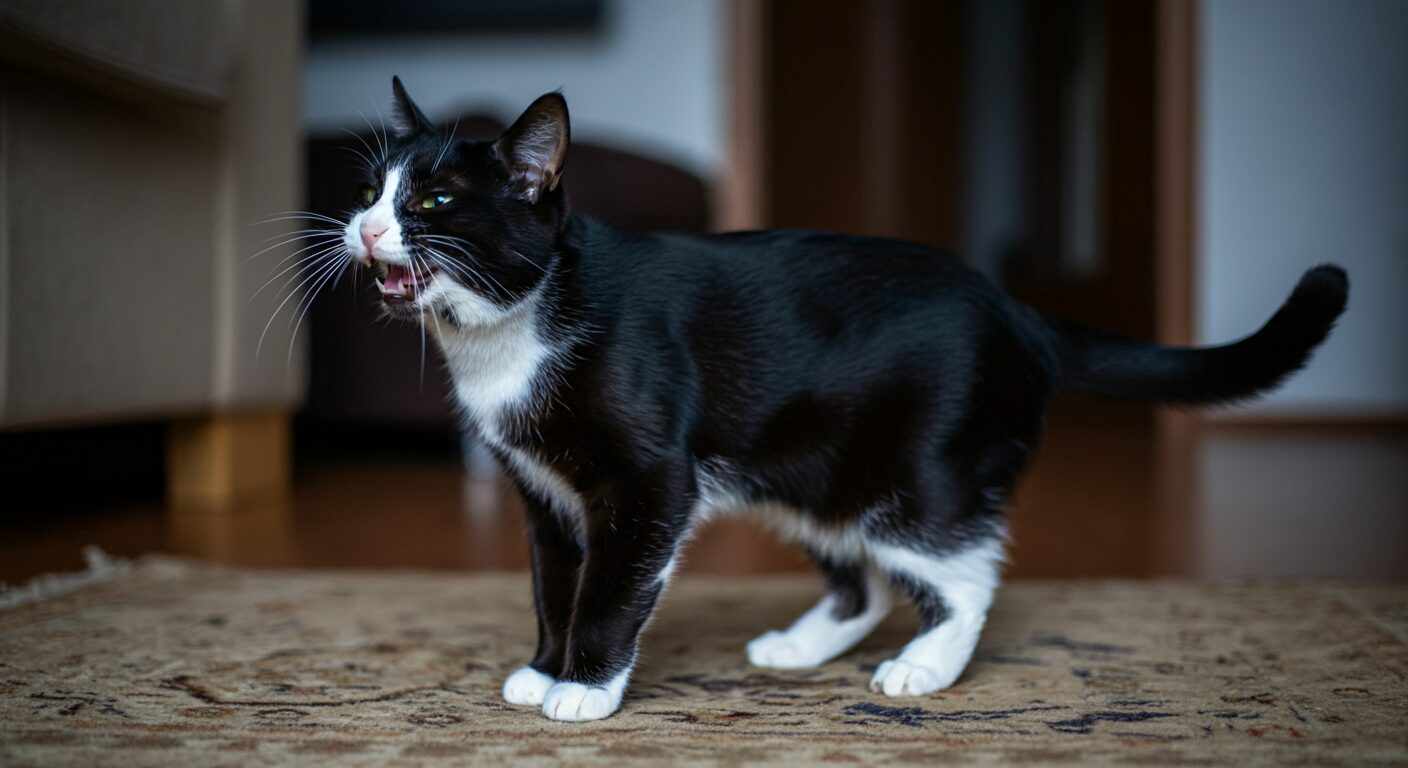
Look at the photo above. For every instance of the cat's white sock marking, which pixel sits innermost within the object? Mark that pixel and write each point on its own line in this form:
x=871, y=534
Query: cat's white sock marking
x=966, y=581
x=527, y=686
x=575, y=702
x=818, y=637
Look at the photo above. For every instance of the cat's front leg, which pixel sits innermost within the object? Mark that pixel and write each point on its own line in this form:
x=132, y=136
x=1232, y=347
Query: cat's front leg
x=556, y=558
x=632, y=540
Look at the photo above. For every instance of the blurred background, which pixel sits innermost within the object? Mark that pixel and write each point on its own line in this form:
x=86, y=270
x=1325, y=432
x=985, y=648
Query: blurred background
x=1161, y=168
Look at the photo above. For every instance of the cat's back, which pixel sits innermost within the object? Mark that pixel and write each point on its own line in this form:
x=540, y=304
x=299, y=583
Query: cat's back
x=792, y=259
x=871, y=276
x=810, y=250
x=748, y=320
x=828, y=280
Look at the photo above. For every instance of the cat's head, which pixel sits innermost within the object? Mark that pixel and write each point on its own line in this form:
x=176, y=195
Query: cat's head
x=462, y=229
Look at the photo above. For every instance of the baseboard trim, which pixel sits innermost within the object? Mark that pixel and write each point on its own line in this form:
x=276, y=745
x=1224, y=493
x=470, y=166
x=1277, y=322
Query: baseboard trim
x=1386, y=422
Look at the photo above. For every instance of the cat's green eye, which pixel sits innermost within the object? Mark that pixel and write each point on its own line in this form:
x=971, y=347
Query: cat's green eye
x=435, y=201
x=369, y=194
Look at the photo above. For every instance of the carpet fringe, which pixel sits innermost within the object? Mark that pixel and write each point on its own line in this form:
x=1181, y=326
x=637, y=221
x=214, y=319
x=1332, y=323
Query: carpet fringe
x=101, y=567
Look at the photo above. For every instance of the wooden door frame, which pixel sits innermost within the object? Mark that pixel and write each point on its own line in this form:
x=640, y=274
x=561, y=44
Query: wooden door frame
x=739, y=189
x=1175, y=243
x=741, y=202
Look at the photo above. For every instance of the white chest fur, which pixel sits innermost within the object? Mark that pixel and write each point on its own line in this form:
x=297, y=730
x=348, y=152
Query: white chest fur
x=498, y=373
x=494, y=368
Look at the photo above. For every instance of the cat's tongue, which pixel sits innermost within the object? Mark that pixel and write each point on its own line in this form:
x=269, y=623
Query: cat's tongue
x=399, y=280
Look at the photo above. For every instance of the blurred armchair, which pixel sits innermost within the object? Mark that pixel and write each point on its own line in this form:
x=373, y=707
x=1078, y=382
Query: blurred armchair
x=138, y=143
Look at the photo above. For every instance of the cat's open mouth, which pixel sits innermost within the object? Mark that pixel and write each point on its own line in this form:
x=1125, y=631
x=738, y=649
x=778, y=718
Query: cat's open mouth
x=402, y=284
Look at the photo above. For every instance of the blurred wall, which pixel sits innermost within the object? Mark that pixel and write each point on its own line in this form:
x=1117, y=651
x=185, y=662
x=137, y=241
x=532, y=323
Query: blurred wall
x=1304, y=116
x=994, y=181
x=649, y=80
x=1277, y=502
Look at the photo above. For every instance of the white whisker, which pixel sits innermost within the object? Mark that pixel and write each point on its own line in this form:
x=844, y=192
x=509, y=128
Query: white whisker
x=333, y=263
x=435, y=317
x=480, y=277
x=335, y=275
x=381, y=148
x=419, y=288
x=525, y=258
x=448, y=141
x=368, y=156
x=301, y=262
x=384, y=135
x=327, y=235
x=445, y=262
x=295, y=215
x=297, y=231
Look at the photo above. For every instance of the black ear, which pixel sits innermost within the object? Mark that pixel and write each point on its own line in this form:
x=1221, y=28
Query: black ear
x=535, y=148
x=406, y=118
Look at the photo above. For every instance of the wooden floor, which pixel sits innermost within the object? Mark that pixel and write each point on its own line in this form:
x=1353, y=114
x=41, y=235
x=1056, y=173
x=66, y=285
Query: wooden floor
x=1260, y=502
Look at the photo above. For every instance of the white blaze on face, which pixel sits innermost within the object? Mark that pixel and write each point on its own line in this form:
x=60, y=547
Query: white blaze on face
x=403, y=273
x=379, y=220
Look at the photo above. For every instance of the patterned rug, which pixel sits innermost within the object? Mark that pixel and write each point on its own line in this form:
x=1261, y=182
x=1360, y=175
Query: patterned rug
x=175, y=664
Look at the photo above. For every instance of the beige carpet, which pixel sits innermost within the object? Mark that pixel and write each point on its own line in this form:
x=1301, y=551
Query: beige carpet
x=172, y=664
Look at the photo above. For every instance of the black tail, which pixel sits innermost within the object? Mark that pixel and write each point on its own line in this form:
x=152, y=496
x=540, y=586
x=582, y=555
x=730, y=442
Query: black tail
x=1106, y=365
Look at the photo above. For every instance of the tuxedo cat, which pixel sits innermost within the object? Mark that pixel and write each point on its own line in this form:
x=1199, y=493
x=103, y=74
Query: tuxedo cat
x=876, y=400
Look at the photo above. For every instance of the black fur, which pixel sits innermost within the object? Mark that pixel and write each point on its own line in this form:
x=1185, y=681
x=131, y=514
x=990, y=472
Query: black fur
x=1098, y=363
x=868, y=383
x=846, y=582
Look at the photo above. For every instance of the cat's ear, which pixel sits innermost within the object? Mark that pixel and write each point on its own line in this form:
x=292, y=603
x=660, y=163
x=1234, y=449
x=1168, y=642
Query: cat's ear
x=535, y=148
x=406, y=118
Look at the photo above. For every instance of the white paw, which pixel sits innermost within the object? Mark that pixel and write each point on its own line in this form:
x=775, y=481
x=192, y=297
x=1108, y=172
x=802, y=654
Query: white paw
x=526, y=686
x=574, y=702
x=779, y=651
x=903, y=678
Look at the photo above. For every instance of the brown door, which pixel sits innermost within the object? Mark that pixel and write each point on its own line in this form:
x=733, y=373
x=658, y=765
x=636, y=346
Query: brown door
x=868, y=114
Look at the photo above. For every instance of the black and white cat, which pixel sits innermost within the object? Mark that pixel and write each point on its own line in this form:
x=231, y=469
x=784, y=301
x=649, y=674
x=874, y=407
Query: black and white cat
x=874, y=399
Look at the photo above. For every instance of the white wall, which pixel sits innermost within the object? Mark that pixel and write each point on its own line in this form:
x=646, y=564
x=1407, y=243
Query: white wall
x=1304, y=142
x=651, y=80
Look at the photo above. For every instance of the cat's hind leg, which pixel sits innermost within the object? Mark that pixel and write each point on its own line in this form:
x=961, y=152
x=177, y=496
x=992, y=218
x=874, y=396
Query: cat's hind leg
x=857, y=599
x=952, y=593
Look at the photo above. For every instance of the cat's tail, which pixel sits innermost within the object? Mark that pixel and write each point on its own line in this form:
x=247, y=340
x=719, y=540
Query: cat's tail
x=1094, y=362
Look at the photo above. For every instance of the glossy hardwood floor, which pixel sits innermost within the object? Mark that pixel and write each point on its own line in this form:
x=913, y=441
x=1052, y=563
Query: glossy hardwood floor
x=350, y=514
x=1260, y=502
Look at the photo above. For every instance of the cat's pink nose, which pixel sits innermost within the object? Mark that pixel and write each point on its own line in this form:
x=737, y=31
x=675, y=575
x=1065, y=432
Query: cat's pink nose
x=371, y=233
